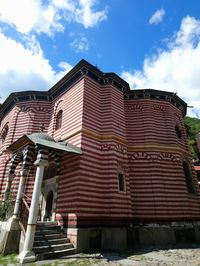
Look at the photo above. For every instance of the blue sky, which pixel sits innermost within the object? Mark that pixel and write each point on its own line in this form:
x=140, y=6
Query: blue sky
x=151, y=44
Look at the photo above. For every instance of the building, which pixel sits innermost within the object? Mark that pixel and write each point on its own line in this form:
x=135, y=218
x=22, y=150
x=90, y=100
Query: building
x=196, y=148
x=118, y=170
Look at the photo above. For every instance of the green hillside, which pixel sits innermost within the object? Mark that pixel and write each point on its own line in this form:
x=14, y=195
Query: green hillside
x=193, y=125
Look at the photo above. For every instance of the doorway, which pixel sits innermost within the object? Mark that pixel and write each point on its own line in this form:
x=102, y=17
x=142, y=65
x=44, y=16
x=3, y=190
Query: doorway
x=48, y=199
x=49, y=206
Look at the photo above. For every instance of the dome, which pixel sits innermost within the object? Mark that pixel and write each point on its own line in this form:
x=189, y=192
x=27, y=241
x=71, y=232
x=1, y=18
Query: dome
x=42, y=135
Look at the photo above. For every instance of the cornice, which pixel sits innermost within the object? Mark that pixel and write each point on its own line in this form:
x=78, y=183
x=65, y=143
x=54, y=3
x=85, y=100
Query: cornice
x=83, y=68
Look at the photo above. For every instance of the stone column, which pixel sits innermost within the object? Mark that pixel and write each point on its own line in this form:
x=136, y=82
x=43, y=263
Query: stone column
x=17, y=157
x=23, y=175
x=8, y=187
x=27, y=255
x=10, y=230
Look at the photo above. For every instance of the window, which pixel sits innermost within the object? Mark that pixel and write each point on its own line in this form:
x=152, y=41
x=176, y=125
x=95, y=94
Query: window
x=121, y=180
x=59, y=120
x=189, y=178
x=4, y=132
x=178, y=132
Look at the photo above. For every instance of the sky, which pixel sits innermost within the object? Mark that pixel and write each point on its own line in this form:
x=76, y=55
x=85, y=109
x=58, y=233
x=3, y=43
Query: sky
x=149, y=43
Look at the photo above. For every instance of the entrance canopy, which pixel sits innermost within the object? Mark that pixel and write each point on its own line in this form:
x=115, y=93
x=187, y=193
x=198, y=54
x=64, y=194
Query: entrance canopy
x=43, y=140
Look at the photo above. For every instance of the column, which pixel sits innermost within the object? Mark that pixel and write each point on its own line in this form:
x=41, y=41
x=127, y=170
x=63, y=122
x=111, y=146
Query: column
x=23, y=175
x=8, y=187
x=27, y=255
x=13, y=163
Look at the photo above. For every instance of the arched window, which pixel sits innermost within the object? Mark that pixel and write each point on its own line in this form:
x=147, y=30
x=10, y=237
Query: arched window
x=188, y=178
x=4, y=132
x=178, y=132
x=59, y=120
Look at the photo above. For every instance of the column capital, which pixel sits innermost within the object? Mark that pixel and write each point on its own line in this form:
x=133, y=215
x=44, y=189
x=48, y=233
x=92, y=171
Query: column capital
x=24, y=172
x=10, y=177
x=42, y=158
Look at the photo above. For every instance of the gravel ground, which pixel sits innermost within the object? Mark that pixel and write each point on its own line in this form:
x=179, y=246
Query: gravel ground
x=182, y=256
x=171, y=256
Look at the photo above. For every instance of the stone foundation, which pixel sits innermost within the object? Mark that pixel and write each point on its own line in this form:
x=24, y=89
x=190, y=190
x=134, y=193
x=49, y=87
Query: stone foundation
x=116, y=239
x=9, y=236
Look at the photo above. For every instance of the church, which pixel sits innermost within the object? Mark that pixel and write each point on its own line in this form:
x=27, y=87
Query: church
x=109, y=165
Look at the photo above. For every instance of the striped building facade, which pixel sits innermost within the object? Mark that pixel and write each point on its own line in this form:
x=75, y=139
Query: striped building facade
x=134, y=182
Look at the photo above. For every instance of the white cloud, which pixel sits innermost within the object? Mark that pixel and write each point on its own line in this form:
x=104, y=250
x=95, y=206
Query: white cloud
x=25, y=67
x=65, y=67
x=80, y=44
x=176, y=68
x=157, y=17
x=28, y=16
x=86, y=16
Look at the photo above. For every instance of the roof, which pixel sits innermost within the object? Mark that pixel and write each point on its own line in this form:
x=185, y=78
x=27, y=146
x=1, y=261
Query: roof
x=43, y=140
x=84, y=68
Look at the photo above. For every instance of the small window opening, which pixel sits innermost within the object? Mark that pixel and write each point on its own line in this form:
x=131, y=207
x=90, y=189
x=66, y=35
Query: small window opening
x=59, y=120
x=189, y=178
x=198, y=177
x=178, y=132
x=4, y=133
x=121, y=180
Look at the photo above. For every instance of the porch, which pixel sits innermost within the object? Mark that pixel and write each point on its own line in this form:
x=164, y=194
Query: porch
x=44, y=153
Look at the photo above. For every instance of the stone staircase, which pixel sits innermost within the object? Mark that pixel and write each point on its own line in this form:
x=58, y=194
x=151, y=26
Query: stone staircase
x=50, y=241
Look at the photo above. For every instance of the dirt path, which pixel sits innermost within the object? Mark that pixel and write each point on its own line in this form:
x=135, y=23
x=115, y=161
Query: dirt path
x=180, y=256
x=185, y=256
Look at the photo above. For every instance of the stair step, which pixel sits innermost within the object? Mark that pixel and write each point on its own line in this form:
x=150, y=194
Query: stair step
x=47, y=230
x=51, y=242
x=56, y=254
x=46, y=223
x=48, y=227
x=50, y=248
x=50, y=236
x=43, y=241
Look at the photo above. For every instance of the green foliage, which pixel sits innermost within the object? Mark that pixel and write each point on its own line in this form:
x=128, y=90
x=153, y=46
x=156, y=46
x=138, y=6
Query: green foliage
x=193, y=125
x=6, y=207
x=8, y=260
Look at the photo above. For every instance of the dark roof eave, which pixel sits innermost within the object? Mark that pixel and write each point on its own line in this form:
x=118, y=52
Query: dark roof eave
x=53, y=92
x=172, y=95
x=27, y=139
x=72, y=76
